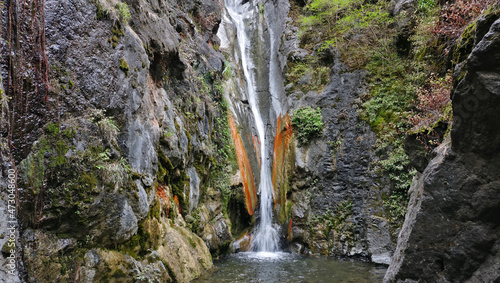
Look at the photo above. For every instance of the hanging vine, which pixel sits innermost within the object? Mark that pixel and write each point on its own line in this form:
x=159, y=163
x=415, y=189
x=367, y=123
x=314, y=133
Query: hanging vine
x=25, y=70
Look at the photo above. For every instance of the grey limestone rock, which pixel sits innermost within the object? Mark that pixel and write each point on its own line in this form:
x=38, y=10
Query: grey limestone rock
x=337, y=169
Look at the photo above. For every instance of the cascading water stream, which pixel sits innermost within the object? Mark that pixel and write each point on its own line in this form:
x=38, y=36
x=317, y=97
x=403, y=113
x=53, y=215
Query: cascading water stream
x=266, y=236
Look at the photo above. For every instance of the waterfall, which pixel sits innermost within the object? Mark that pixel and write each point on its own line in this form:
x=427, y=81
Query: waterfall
x=265, y=237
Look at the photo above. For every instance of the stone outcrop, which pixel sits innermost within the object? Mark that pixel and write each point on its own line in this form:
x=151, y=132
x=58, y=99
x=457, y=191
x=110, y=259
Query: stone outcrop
x=119, y=180
x=336, y=194
x=180, y=258
x=451, y=229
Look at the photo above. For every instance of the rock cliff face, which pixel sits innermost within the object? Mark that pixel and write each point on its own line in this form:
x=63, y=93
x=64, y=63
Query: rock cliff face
x=116, y=185
x=451, y=229
x=336, y=194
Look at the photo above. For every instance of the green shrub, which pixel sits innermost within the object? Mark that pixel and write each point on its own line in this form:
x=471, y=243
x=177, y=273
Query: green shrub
x=426, y=5
x=308, y=124
x=123, y=12
x=325, y=11
x=395, y=207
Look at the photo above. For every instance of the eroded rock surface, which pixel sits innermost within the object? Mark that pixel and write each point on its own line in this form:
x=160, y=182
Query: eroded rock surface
x=125, y=148
x=335, y=181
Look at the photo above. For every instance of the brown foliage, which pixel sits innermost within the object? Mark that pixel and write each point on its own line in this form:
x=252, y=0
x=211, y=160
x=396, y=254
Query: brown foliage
x=432, y=100
x=457, y=15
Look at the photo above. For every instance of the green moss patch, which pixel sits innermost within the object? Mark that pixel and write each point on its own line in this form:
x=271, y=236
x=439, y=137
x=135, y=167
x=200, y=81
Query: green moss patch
x=124, y=66
x=308, y=124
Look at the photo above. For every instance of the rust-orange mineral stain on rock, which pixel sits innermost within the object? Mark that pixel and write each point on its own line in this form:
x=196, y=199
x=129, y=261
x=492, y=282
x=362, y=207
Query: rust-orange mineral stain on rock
x=245, y=168
x=164, y=200
x=282, y=140
x=256, y=145
x=176, y=200
x=160, y=192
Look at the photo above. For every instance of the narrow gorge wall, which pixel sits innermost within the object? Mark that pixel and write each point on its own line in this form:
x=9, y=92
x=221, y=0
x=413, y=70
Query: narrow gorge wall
x=116, y=156
x=451, y=229
x=336, y=192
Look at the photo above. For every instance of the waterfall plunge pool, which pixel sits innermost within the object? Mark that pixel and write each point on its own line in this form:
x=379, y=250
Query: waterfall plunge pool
x=265, y=267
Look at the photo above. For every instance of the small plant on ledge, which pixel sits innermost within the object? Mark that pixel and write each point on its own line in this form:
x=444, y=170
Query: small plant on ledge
x=309, y=124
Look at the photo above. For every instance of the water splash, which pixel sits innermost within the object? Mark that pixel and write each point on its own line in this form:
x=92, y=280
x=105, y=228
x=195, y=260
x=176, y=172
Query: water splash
x=266, y=236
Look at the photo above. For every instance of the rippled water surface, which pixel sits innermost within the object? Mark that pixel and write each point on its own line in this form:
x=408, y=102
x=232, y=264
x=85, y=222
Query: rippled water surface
x=288, y=268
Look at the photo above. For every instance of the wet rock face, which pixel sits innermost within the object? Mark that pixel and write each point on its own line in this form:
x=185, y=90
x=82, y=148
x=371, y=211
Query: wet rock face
x=264, y=34
x=264, y=25
x=181, y=258
x=333, y=178
x=136, y=113
x=213, y=227
x=451, y=230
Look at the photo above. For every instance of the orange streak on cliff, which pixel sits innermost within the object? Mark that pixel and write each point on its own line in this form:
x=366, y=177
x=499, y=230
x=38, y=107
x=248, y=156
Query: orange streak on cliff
x=245, y=168
x=281, y=146
x=256, y=145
